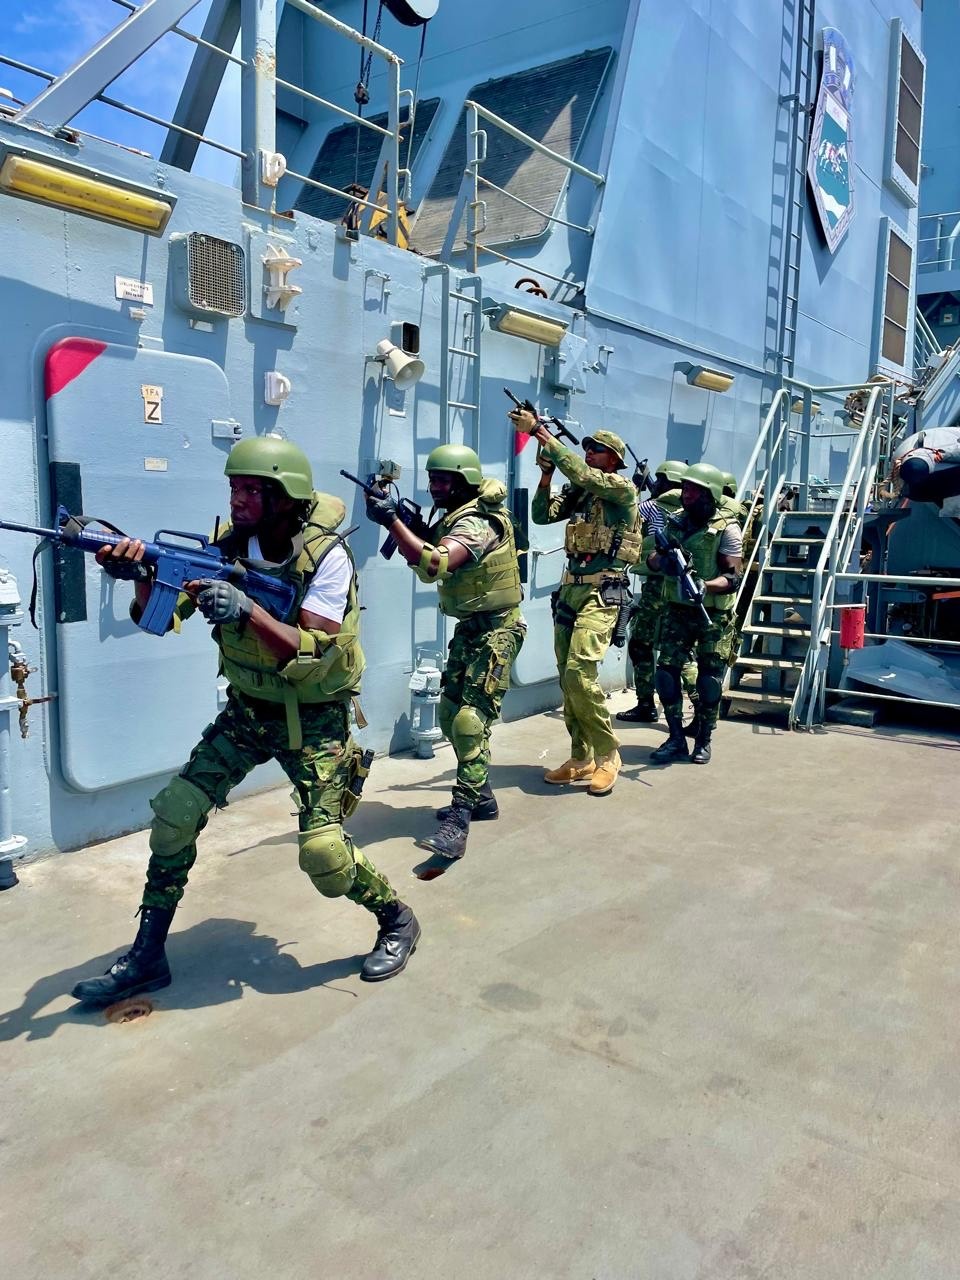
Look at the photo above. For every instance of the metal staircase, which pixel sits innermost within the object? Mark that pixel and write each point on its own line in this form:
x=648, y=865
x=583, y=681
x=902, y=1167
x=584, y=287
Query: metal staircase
x=791, y=573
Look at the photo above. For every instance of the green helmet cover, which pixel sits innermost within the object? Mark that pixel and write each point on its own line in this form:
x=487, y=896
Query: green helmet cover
x=674, y=471
x=706, y=477
x=729, y=484
x=458, y=459
x=273, y=458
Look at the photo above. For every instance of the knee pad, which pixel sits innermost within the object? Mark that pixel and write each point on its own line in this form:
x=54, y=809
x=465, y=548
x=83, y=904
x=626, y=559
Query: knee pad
x=327, y=859
x=709, y=688
x=466, y=733
x=668, y=685
x=445, y=714
x=180, y=814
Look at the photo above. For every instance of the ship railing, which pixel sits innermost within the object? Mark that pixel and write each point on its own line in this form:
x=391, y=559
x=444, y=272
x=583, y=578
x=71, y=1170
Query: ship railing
x=470, y=202
x=938, y=241
x=926, y=344
x=841, y=545
x=262, y=166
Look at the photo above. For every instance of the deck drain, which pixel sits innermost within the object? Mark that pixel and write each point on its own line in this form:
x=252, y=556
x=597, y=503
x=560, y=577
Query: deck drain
x=129, y=1010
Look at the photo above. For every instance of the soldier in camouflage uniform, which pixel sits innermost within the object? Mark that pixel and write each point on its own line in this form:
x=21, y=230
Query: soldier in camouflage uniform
x=602, y=539
x=711, y=539
x=291, y=682
x=644, y=633
x=471, y=556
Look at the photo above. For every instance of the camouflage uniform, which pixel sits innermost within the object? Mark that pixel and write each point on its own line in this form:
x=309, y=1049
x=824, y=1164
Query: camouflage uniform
x=603, y=501
x=683, y=633
x=246, y=733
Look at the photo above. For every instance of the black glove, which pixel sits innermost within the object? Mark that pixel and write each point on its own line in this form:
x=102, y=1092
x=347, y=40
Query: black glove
x=124, y=570
x=382, y=509
x=223, y=602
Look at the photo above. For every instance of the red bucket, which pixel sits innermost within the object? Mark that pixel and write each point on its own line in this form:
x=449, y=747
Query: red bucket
x=852, y=618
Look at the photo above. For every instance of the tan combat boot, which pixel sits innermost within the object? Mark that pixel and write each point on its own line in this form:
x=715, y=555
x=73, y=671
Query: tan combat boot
x=605, y=774
x=572, y=771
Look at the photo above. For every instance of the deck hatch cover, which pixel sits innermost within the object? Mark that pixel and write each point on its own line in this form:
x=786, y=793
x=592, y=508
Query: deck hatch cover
x=217, y=280
x=338, y=162
x=551, y=103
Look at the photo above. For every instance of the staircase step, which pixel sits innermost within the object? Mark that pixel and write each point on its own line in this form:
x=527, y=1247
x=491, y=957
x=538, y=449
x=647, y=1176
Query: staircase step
x=752, y=695
x=787, y=568
x=786, y=630
x=782, y=599
x=778, y=664
x=800, y=542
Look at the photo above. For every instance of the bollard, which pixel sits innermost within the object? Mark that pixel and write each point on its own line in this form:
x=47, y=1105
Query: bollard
x=424, y=702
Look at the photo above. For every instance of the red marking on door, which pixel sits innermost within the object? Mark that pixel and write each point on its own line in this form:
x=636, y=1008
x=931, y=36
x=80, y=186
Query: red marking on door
x=520, y=439
x=67, y=359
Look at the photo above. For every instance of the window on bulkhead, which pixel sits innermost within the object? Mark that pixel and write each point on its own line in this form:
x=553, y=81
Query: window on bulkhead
x=551, y=103
x=896, y=300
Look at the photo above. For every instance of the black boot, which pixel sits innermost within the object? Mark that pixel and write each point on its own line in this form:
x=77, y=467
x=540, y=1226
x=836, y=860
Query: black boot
x=701, y=748
x=143, y=968
x=675, y=747
x=485, y=811
x=396, y=943
x=692, y=730
x=645, y=712
x=450, y=838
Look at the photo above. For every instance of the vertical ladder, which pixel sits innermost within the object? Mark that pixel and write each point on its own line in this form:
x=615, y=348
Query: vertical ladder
x=461, y=328
x=797, y=193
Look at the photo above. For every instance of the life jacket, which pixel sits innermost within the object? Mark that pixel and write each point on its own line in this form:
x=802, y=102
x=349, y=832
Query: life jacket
x=700, y=546
x=325, y=668
x=493, y=584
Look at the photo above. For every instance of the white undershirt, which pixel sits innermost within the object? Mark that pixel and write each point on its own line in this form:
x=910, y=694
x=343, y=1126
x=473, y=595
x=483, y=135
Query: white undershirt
x=330, y=585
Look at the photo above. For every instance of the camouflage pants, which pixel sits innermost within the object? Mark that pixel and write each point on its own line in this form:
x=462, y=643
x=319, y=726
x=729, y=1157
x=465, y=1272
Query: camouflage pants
x=580, y=648
x=643, y=640
x=684, y=633
x=246, y=733
x=477, y=675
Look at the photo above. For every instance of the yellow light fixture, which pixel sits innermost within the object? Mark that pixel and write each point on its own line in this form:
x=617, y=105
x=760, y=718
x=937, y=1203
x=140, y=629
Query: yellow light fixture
x=797, y=407
x=527, y=324
x=709, y=379
x=36, y=180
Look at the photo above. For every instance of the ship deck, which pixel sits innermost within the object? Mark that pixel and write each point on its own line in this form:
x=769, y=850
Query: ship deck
x=704, y=1027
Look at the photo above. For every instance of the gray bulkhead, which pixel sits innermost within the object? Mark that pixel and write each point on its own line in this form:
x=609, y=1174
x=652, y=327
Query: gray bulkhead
x=687, y=125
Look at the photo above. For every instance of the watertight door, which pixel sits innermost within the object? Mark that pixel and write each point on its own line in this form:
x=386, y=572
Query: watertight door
x=131, y=440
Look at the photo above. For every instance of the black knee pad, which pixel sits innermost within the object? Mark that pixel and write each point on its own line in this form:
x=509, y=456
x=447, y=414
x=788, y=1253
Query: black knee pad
x=709, y=689
x=668, y=685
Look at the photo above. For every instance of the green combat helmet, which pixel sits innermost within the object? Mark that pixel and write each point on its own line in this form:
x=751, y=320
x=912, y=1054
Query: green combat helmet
x=458, y=459
x=672, y=471
x=273, y=458
x=729, y=484
x=608, y=440
x=704, y=476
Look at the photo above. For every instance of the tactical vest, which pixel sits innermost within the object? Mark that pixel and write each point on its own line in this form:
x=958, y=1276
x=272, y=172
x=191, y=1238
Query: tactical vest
x=669, y=504
x=493, y=584
x=601, y=535
x=701, y=546
x=326, y=668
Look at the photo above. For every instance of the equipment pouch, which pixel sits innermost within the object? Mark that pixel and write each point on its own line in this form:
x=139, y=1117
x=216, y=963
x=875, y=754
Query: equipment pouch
x=615, y=591
x=358, y=771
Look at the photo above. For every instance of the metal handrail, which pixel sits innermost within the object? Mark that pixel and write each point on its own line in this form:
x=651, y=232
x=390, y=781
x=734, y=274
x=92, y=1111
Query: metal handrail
x=468, y=197
x=189, y=36
x=837, y=548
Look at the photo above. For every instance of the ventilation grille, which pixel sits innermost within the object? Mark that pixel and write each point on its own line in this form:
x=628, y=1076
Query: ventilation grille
x=217, y=279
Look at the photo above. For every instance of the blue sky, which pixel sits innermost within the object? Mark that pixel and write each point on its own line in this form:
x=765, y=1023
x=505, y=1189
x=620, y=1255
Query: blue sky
x=52, y=34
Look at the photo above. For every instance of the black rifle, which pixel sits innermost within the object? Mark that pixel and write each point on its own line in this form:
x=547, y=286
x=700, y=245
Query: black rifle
x=408, y=511
x=561, y=433
x=667, y=546
x=641, y=473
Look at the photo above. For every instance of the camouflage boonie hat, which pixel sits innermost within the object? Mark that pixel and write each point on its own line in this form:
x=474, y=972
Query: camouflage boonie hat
x=607, y=440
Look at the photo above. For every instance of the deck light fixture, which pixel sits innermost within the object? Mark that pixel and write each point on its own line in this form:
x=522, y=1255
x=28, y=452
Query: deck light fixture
x=527, y=324
x=797, y=406
x=65, y=189
x=710, y=379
